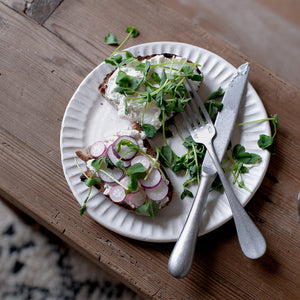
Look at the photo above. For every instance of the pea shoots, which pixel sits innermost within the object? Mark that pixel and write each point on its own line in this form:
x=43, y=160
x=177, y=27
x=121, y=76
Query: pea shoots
x=167, y=91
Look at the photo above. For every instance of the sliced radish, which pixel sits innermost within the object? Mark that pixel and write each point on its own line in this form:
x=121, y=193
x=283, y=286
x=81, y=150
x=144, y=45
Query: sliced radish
x=124, y=180
x=124, y=148
x=158, y=193
x=113, y=158
x=98, y=149
x=117, y=194
x=136, y=199
x=143, y=160
x=115, y=173
x=153, y=179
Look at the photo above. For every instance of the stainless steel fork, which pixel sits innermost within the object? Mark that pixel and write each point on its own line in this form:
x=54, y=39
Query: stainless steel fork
x=251, y=240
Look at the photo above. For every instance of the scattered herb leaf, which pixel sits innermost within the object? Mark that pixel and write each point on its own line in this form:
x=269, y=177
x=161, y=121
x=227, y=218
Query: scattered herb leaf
x=185, y=193
x=133, y=31
x=242, y=156
x=111, y=39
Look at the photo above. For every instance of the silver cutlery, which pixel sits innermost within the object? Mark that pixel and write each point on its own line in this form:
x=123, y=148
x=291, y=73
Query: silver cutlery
x=251, y=240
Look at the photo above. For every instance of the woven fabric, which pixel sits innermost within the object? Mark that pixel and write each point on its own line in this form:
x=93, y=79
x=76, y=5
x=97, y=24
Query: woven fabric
x=35, y=264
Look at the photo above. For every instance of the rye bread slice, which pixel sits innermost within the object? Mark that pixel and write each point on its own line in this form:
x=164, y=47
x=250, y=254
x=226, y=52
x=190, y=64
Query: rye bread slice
x=103, y=85
x=85, y=155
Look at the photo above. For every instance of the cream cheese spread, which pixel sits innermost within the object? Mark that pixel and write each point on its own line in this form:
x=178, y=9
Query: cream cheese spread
x=137, y=111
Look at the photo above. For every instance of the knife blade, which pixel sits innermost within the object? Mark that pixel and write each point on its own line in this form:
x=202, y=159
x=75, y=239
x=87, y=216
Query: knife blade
x=226, y=120
x=182, y=255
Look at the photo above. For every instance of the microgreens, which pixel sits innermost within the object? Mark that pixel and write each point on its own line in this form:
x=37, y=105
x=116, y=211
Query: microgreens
x=111, y=39
x=134, y=147
x=165, y=90
x=90, y=181
x=240, y=163
x=191, y=162
x=150, y=209
x=266, y=142
x=149, y=130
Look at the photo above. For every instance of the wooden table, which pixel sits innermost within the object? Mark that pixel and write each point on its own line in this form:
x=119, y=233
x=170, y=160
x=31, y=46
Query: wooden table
x=44, y=56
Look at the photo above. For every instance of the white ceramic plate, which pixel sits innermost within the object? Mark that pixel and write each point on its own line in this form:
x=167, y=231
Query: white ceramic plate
x=89, y=117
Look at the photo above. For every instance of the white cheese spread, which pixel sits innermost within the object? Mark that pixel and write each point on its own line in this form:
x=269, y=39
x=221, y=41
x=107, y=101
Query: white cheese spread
x=137, y=111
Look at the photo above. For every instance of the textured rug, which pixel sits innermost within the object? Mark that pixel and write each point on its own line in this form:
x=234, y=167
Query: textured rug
x=34, y=264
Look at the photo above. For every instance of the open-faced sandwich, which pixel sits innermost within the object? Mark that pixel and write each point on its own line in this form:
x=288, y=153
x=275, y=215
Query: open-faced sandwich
x=127, y=171
x=147, y=91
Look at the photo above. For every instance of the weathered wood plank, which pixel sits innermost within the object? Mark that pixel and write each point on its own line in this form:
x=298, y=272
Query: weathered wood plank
x=38, y=10
x=40, y=71
x=267, y=31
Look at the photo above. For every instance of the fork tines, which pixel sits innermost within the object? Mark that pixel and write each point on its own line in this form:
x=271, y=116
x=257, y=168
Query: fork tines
x=195, y=110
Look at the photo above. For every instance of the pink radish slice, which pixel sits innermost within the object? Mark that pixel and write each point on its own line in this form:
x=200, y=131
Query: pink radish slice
x=124, y=148
x=158, y=193
x=98, y=149
x=114, y=159
x=117, y=194
x=153, y=179
x=116, y=173
x=136, y=199
x=143, y=160
x=125, y=180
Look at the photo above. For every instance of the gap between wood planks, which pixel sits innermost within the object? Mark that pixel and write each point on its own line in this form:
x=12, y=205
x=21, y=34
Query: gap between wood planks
x=40, y=10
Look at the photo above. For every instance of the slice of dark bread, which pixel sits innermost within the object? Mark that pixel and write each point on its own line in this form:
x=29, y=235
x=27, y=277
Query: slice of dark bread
x=103, y=84
x=85, y=156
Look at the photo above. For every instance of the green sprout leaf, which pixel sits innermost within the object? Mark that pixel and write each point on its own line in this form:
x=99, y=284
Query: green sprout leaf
x=111, y=39
x=166, y=155
x=216, y=94
x=150, y=209
x=147, y=68
x=134, y=32
x=149, y=130
x=120, y=165
x=92, y=181
x=83, y=209
x=96, y=163
x=128, y=83
x=132, y=184
x=140, y=67
x=242, y=156
x=155, y=77
x=114, y=60
x=185, y=193
x=266, y=142
x=108, y=163
x=138, y=170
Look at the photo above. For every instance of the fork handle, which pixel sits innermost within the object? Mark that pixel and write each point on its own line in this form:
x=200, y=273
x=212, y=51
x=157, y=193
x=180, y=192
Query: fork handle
x=250, y=238
x=181, y=258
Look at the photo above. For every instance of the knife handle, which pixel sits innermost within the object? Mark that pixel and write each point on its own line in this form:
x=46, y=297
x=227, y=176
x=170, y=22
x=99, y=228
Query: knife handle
x=181, y=258
x=250, y=238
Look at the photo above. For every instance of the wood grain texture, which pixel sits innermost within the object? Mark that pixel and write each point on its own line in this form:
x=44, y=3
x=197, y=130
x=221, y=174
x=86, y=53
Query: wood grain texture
x=41, y=66
x=266, y=30
x=38, y=10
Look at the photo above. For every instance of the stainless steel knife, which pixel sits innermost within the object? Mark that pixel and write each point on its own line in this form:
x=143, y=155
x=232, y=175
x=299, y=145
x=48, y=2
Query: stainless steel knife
x=182, y=256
